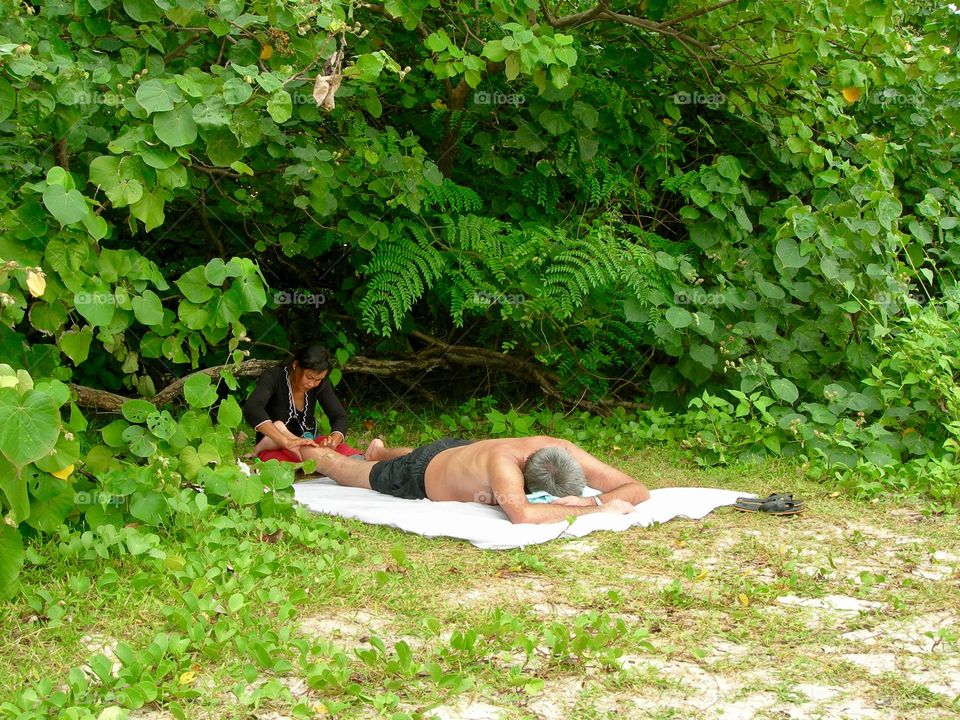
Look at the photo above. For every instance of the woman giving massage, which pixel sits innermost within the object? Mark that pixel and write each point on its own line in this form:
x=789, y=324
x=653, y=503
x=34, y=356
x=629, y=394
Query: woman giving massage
x=282, y=409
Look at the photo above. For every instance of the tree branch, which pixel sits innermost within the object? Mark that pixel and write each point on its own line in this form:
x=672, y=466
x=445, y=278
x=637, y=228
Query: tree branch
x=177, y=51
x=60, y=150
x=437, y=355
x=697, y=13
x=575, y=19
x=602, y=11
x=201, y=212
x=214, y=170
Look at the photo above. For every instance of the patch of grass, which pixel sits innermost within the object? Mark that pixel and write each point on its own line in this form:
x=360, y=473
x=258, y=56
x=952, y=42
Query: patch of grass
x=218, y=625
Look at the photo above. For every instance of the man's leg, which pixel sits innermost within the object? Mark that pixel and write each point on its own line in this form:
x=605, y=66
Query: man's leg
x=268, y=443
x=343, y=470
x=376, y=451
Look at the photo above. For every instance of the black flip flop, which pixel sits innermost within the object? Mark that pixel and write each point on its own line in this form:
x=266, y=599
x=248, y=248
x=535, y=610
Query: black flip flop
x=769, y=498
x=776, y=506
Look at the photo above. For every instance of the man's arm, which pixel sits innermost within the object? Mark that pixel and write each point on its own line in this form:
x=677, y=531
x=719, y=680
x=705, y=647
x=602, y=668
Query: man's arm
x=613, y=484
x=507, y=486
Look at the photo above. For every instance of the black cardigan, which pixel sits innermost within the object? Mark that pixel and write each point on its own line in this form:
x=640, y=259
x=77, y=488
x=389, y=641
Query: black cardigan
x=270, y=400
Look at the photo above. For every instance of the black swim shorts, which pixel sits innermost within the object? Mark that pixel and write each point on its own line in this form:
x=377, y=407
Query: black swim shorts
x=403, y=476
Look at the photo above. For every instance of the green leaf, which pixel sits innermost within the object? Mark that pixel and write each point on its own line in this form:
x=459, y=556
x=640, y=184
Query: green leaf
x=827, y=177
x=705, y=355
x=67, y=206
x=195, y=317
x=113, y=433
x=559, y=76
x=772, y=291
x=215, y=271
x=158, y=157
x=150, y=507
x=888, y=210
x=678, y=317
x=494, y=50
x=137, y=410
x=199, y=391
x=13, y=483
x=29, y=425
x=8, y=99
x=280, y=106
x=236, y=91
x=246, y=489
x=788, y=252
x=586, y=114
x=11, y=560
x=162, y=425
x=700, y=196
x=193, y=285
x=118, y=178
x=432, y=174
x=140, y=441
x=804, y=224
x=554, y=122
x=567, y=55
x=253, y=295
x=235, y=603
x=147, y=308
x=743, y=220
x=241, y=167
x=277, y=475
x=158, y=95
x=223, y=148
x=437, y=42
x=137, y=544
x=512, y=66
x=143, y=11
x=176, y=127
x=229, y=412
x=212, y=112
x=96, y=307
x=785, y=390
x=52, y=502
x=373, y=105
x=149, y=210
x=729, y=167
x=269, y=82
x=75, y=344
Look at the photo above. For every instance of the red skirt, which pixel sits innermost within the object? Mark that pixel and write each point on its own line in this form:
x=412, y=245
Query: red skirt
x=287, y=456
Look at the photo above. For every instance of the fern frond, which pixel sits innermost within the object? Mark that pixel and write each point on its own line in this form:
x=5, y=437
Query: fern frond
x=401, y=270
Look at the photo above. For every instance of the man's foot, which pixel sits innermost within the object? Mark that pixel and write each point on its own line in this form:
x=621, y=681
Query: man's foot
x=373, y=449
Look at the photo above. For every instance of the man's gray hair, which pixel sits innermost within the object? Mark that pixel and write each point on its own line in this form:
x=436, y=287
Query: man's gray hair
x=553, y=470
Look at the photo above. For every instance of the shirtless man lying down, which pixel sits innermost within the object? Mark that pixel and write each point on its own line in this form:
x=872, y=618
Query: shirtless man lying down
x=496, y=472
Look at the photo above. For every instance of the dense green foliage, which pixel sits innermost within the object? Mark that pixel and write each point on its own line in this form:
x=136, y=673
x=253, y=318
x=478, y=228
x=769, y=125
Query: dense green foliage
x=748, y=214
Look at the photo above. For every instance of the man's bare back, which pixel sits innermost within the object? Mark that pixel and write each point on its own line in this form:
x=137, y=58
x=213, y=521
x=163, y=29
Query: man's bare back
x=464, y=473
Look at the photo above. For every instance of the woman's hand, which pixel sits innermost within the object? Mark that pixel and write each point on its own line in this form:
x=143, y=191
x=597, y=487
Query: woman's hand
x=332, y=440
x=294, y=442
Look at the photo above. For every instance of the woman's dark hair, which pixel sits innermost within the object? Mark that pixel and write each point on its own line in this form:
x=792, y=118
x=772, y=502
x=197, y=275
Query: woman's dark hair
x=313, y=357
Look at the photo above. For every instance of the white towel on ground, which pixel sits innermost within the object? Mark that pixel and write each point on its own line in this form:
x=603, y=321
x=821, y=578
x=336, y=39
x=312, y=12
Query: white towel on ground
x=487, y=526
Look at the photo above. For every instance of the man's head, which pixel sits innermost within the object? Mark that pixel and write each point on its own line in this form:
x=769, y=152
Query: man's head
x=554, y=471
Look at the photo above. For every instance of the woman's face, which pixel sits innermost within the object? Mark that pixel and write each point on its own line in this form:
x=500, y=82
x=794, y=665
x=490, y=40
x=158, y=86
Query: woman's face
x=308, y=379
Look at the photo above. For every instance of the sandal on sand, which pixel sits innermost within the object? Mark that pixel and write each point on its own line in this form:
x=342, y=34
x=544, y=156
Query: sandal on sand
x=774, y=506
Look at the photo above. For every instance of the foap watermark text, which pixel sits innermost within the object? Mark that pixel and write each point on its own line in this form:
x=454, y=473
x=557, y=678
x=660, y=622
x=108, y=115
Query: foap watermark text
x=297, y=297
x=482, y=97
x=696, y=97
